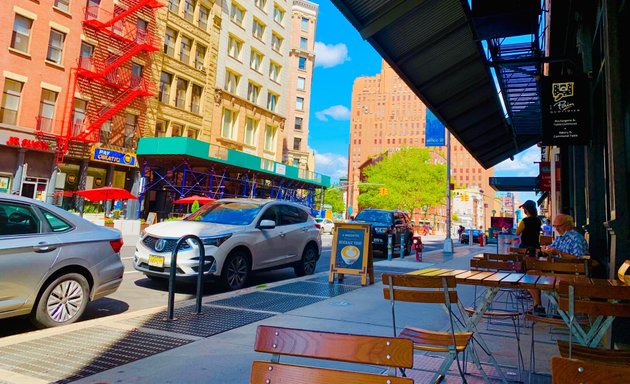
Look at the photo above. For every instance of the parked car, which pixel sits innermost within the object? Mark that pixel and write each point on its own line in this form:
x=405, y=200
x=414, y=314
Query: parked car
x=240, y=236
x=53, y=262
x=464, y=238
x=325, y=225
x=384, y=222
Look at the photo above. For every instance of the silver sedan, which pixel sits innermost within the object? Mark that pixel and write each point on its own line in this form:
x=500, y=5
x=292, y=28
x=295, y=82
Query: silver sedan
x=52, y=262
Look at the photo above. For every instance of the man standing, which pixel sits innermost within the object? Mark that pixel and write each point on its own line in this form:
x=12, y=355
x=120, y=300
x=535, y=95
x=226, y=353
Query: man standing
x=570, y=243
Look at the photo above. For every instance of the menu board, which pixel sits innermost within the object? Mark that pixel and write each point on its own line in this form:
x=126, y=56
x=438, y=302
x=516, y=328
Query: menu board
x=351, y=252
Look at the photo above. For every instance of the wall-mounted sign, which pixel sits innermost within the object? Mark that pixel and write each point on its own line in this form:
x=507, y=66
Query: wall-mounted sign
x=281, y=169
x=114, y=157
x=28, y=143
x=564, y=106
x=351, y=253
x=435, y=131
x=544, y=181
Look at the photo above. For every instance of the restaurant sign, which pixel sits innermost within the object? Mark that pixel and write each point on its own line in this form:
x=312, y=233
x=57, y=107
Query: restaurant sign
x=114, y=157
x=564, y=105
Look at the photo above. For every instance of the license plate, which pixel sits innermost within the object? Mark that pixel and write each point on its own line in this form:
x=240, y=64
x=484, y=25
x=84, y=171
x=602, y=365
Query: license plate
x=156, y=261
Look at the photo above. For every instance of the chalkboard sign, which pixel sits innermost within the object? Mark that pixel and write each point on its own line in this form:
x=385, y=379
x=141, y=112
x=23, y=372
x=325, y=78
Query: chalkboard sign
x=351, y=252
x=151, y=218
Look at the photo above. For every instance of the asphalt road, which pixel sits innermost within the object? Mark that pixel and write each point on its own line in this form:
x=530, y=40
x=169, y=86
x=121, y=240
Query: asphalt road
x=138, y=292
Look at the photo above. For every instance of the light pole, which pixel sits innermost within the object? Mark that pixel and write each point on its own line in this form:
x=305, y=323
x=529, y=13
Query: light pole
x=448, y=242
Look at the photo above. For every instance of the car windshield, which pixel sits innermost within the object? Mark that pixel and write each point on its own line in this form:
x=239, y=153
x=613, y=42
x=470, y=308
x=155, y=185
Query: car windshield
x=375, y=216
x=226, y=212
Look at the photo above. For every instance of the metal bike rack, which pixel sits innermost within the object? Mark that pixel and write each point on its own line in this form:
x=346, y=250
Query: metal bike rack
x=171, y=278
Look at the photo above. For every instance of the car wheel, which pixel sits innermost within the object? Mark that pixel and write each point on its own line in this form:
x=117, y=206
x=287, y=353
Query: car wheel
x=307, y=265
x=235, y=271
x=63, y=301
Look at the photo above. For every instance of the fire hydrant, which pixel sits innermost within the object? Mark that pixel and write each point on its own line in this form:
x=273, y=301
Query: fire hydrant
x=481, y=239
x=418, y=246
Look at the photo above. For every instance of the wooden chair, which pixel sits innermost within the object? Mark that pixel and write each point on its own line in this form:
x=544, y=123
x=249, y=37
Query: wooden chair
x=570, y=371
x=580, y=352
x=518, y=251
x=621, y=272
x=545, y=240
x=391, y=352
x=435, y=290
x=513, y=257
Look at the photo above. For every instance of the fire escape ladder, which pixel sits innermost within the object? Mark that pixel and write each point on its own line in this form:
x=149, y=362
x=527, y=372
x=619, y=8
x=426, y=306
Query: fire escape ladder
x=66, y=125
x=91, y=14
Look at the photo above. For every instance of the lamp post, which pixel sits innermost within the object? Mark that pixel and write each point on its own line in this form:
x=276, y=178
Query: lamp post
x=448, y=242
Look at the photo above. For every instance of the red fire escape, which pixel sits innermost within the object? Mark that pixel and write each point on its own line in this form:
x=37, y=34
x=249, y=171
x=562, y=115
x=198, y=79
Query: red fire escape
x=110, y=73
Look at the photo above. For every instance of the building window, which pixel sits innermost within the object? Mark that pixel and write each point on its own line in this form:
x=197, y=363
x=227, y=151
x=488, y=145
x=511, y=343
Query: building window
x=184, y=51
x=169, y=41
x=252, y=92
x=63, y=5
x=272, y=101
x=276, y=42
x=301, y=83
x=11, y=101
x=189, y=10
x=131, y=125
x=200, y=56
x=136, y=75
x=251, y=126
x=302, y=63
x=173, y=6
x=270, y=138
x=255, y=60
x=229, y=123
x=192, y=133
x=274, y=71
x=303, y=43
x=231, y=81
x=261, y=4
x=47, y=110
x=278, y=13
x=166, y=79
x=160, y=128
x=204, y=13
x=180, y=96
x=78, y=116
x=258, y=29
x=304, y=24
x=298, y=123
x=21, y=33
x=195, y=99
x=234, y=48
x=299, y=103
x=106, y=131
x=237, y=14
x=297, y=143
x=85, y=56
x=177, y=130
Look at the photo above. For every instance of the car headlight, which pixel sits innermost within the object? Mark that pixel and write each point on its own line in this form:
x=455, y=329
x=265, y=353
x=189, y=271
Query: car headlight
x=216, y=240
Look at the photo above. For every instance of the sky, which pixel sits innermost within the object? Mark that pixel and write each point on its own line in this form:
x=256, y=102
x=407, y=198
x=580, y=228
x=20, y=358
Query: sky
x=341, y=55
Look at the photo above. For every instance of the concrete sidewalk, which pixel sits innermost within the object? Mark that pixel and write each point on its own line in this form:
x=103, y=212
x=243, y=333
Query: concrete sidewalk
x=216, y=346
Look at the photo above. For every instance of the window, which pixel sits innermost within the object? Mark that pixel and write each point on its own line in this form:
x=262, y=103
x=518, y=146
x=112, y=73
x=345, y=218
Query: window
x=136, y=75
x=106, y=131
x=203, y=17
x=173, y=6
x=21, y=33
x=200, y=56
x=299, y=103
x=78, y=115
x=252, y=92
x=228, y=123
x=260, y=4
x=176, y=130
x=25, y=222
x=11, y=101
x=304, y=24
x=189, y=10
x=192, y=133
x=166, y=79
x=231, y=81
x=276, y=42
x=255, y=60
x=278, y=14
x=290, y=215
x=303, y=43
x=298, y=123
x=251, y=126
x=85, y=59
x=195, y=99
x=297, y=143
x=301, y=83
x=47, y=110
x=184, y=51
x=270, y=138
x=234, y=48
x=169, y=41
x=258, y=29
x=272, y=101
x=63, y=5
x=274, y=71
x=131, y=124
x=180, y=96
x=160, y=128
x=302, y=63
x=56, y=223
x=237, y=13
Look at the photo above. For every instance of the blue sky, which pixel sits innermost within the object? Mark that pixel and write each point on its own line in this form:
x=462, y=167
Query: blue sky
x=342, y=56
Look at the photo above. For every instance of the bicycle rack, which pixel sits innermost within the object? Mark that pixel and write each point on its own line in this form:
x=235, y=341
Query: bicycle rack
x=171, y=278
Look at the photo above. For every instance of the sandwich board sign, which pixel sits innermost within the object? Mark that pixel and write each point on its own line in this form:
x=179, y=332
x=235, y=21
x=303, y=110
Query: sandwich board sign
x=352, y=253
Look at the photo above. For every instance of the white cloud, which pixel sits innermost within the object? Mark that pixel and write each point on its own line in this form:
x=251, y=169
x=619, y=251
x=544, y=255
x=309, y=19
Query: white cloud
x=331, y=164
x=524, y=164
x=336, y=112
x=330, y=55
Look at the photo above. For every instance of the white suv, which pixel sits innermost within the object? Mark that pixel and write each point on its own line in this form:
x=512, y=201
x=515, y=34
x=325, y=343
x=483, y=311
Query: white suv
x=239, y=236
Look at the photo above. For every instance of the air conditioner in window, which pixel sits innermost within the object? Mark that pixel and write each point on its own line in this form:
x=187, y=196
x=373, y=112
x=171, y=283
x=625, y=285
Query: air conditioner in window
x=201, y=67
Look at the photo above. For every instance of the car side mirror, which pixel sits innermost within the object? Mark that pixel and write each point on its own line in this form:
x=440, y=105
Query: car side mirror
x=267, y=224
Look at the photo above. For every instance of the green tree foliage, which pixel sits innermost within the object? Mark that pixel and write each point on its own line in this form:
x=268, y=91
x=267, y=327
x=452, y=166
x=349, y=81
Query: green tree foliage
x=334, y=197
x=455, y=217
x=410, y=180
x=195, y=206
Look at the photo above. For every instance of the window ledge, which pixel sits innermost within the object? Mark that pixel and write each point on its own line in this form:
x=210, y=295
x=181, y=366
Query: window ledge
x=53, y=64
x=61, y=11
x=20, y=53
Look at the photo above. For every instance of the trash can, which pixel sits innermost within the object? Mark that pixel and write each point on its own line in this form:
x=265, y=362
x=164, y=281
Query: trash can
x=507, y=241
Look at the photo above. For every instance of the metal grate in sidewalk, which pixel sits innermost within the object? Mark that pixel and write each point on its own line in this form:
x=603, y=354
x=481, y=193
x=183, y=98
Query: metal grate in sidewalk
x=314, y=289
x=347, y=279
x=265, y=301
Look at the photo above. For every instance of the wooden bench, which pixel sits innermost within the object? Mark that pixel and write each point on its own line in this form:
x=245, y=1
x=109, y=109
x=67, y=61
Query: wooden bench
x=608, y=356
x=571, y=371
x=391, y=352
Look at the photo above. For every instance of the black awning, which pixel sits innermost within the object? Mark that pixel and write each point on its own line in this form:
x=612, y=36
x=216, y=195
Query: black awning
x=514, y=184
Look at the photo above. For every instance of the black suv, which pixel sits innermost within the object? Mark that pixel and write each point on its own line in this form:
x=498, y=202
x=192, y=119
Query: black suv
x=385, y=222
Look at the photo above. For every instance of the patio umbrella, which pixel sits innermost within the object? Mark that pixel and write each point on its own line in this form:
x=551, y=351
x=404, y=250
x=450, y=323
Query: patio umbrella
x=106, y=193
x=191, y=199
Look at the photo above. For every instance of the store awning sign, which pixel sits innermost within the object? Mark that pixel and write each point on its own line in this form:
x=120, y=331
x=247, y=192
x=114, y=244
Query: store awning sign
x=114, y=157
x=435, y=131
x=564, y=106
x=545, y=176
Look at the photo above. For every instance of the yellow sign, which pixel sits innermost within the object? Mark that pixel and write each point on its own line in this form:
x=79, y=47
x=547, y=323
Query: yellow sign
x=352, y=253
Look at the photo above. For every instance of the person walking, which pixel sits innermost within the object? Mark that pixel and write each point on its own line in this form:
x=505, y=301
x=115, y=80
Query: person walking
x=529, y=228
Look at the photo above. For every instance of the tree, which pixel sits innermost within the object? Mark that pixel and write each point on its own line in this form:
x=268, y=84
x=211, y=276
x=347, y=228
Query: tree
x=334, y=197
x=410, y=178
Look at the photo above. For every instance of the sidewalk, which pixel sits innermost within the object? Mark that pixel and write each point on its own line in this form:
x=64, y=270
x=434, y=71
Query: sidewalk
x=217, y=346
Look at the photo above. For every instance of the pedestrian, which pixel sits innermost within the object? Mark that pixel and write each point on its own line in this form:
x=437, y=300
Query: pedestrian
x=529, y=228
x=460, y=230
x=547, y=228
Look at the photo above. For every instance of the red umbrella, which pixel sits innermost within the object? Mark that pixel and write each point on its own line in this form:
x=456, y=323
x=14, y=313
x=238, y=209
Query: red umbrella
x=191, y=199
x=106, y=193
